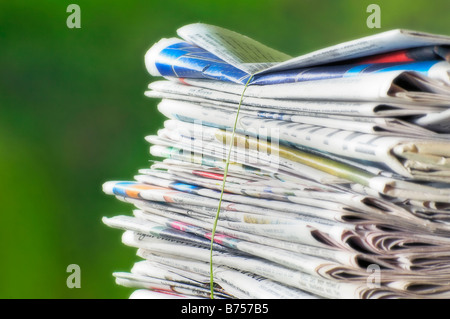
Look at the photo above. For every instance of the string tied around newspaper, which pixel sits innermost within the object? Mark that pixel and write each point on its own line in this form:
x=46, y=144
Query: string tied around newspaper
x=225, y=173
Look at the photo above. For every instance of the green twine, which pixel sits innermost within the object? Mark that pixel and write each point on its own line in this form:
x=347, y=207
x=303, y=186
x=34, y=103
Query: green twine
x=227, y=163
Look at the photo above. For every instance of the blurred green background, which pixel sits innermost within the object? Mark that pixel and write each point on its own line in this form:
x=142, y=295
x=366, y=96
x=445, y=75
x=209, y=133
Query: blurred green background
x=73, y=115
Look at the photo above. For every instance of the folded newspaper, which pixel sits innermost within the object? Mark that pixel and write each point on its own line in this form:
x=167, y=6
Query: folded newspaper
x=326, y=175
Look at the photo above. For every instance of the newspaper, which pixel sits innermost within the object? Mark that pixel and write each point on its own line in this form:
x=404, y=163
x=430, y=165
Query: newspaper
x=241, y=54
x=287, y=156
x=271, y=164
x=371, y=125
x=175, y=58
x=243, y=284
x=139, y=281
x=351, y=204
x=171, y=255
x=389, y=87
x=161, y=89
x=339, y=206
x=180, y=157
x=438, y=122
x=247, y=188
x=425, y=53
x=217, y=53
x=389, y=186
x=390, y=150
x=129, y=223
x=326, y=176
x=317, y=231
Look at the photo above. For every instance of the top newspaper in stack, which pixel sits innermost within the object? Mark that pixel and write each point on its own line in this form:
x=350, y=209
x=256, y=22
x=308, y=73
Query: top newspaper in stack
x=251, y=57
x=413, y=73
x=395, y=114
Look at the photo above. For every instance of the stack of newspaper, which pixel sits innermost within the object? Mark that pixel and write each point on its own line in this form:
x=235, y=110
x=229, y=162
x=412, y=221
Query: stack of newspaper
x=329, y=172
